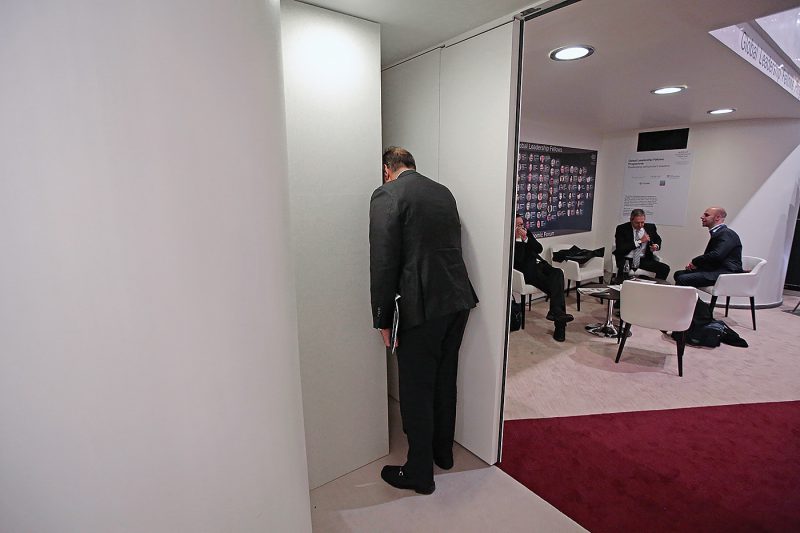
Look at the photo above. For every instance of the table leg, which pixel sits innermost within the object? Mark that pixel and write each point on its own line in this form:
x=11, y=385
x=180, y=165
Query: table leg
x=606, y=329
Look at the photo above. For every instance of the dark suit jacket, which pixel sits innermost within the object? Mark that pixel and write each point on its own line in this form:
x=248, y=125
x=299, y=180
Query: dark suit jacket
x=623, y=238
x=415, y=251
x=723, y=252
x=526, y=253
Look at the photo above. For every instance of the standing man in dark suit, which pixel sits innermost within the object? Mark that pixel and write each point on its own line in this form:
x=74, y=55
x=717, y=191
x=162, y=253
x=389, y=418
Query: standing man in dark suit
x=636, y=241
x=723, y=254
x=415, y=252
x=542, y=275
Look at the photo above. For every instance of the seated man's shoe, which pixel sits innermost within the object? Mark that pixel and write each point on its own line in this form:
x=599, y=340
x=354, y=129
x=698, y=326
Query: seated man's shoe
x=560, y=333
x=559, y=316
x=445, y=462
x=394, y=476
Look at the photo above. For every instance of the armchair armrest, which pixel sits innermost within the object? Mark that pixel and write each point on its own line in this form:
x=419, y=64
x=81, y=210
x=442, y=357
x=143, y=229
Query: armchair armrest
x=595, y=263
x=743, y=284
x=571, y=269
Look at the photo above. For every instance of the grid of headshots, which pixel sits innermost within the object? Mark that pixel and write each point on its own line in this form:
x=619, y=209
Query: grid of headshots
x=555, y=188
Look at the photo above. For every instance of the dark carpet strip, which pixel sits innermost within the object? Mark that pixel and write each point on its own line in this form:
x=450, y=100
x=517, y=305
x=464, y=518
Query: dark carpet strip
x=724, y=468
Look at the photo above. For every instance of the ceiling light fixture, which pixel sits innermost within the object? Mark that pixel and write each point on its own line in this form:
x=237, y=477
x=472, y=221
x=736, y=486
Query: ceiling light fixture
x=722, y=111
x=571, y=52
x=670, y=89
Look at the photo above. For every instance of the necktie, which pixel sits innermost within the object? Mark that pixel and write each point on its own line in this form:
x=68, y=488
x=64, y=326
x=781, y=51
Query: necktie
x=638, y=252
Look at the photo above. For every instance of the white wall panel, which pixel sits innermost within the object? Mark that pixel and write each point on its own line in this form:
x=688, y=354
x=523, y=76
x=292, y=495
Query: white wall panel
x=410, y=112
x=476, y=158
x=410, y=105
x=333, y=113
x=149, y=376
x=770, y=237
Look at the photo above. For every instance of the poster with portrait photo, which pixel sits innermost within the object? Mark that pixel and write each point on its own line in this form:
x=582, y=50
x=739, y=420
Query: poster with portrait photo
x=555, y=188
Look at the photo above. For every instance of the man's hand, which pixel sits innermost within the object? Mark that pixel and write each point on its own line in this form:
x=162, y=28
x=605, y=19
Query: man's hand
x=645, y=238
x=690, y=266
x=387, y=338
x=654, y=247
x=520, y=232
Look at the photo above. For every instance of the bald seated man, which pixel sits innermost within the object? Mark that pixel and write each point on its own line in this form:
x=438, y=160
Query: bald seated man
x=723, y=254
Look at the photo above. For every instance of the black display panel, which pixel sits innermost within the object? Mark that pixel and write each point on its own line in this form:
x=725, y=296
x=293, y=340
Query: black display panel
x=651, y=141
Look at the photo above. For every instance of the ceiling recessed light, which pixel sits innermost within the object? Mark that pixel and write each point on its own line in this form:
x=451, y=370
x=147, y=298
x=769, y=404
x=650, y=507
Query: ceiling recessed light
x=669, y=90
x=571, y=52
x=722, y=111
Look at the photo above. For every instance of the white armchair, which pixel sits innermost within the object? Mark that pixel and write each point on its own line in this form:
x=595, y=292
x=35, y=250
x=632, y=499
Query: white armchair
x=524, y=291
x=744, y=284
x=574, y=271
x=656, y=306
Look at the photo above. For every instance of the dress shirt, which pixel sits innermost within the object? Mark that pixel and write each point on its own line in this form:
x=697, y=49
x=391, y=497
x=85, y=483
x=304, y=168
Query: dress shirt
x=637, y=240
x=715, y=228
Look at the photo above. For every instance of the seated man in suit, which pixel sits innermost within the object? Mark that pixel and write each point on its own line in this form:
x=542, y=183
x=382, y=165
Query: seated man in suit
x=635, y=242
x=541, y=275
x=723, y=254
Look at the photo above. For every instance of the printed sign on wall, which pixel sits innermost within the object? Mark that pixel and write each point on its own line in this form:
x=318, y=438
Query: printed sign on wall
x=657, y=182
x=555, y=188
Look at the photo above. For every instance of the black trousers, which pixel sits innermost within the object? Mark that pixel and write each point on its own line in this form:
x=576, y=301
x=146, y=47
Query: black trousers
x=661, y=269
x=697, y=278
x=550, y=281
x=427, y=358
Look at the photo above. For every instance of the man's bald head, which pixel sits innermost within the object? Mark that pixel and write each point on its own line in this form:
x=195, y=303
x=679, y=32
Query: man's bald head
x=713, y=216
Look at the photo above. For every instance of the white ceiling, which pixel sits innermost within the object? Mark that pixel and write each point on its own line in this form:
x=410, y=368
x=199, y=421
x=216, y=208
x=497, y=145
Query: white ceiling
x=640, y=45
x=411, y=26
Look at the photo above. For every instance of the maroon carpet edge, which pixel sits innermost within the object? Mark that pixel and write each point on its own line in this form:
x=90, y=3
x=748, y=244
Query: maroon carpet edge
x=721, y=468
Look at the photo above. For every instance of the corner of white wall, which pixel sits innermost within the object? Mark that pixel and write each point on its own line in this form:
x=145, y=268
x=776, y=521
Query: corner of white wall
x=149, y=378
x=333, y=113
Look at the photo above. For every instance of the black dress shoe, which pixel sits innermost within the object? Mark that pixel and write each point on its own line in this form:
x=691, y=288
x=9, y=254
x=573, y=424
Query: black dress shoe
x=559, y=317
x=443, y=462
x=560, y=333
x=394, y=476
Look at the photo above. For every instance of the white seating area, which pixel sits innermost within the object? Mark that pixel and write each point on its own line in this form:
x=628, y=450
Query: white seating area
x=592, y=270
x=744, y=285
x=524, y=292
x=673, y=314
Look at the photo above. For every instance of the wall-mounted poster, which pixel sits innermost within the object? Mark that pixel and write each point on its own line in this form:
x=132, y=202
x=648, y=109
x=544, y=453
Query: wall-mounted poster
x=658, y=182
x=555, y=188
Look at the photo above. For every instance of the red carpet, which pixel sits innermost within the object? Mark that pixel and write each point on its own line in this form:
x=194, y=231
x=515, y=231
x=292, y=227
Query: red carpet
x=725, y=468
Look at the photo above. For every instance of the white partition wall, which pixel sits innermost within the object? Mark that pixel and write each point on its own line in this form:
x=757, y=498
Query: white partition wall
x=410, y=109
x=333, y=113
x=478, y=107
x=473, y=90
x=149, y=377
x=410, y=113
x=771, y=237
